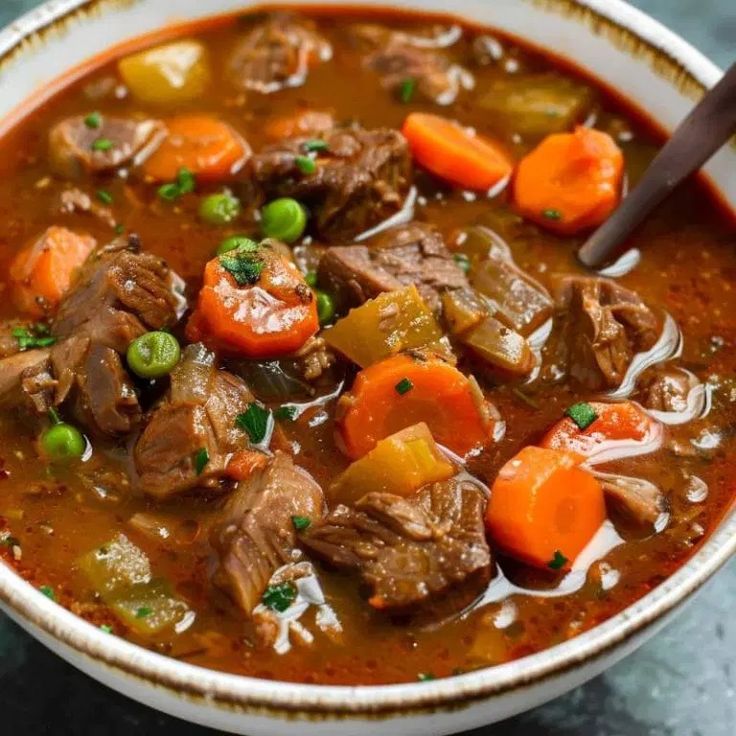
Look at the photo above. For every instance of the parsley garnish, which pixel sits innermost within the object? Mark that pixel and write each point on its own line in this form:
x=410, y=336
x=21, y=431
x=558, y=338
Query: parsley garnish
x=243, y=265
x=558, y=561
x=104, y=196
x=407, y=89
x=102, y=145
x=201, y=458
x=463, y=261
x=279, y=597
x=184, y=184
x=48, y=591
x=8, y=540
x=286, y=413
x=119, y=229
x=305, y=164
x=403, y=386
x=254, y=421
x=93, y=120
x=143, y=612
x=107, y=629
x=426, y=676
x=583, y=414
x=301, y=522
x=552, y=214
x=315, y=145
x=35, y=336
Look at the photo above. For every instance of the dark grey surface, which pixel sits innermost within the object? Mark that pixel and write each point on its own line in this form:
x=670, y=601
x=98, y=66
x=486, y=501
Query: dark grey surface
x=682, y=683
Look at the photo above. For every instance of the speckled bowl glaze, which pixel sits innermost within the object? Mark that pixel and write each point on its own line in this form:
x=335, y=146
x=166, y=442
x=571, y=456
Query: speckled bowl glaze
x=624, y=49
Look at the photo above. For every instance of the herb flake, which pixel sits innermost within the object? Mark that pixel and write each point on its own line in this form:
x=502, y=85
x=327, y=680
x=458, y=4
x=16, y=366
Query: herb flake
x=243, y=265
x=558, y=561
x=254, y=421
x=552, y=214
x=34, y=336
x=104, y=196
x=143, y=612
x=305, y=164
x=102, y=145
x=301, y=522
x=426, y=676
x=407, y=89
x=48, y=591
x=201, y=458
x=462, y=261
x=315, y=146
x=285, y=413
x=279, y=597
x=93, y=121
x=583, y=414
x=184, y=184
x=106, y=628
x=403, y=386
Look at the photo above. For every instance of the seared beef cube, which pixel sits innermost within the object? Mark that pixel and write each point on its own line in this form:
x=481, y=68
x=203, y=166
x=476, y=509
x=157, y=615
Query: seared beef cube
x=604, y=326
x=361, y=178
x=277, y=54
x=76, y=148
x=638, y=501
x=667, y=388
x=256, y=535
x=410, y=550
x=395, y=58
x=26, y=381
x=403, y=255
x=195, y=420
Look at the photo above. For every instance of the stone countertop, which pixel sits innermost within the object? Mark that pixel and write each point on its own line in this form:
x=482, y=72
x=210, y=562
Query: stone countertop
x=681, y=683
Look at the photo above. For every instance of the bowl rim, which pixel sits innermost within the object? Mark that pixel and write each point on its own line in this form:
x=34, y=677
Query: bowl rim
x=242, y=693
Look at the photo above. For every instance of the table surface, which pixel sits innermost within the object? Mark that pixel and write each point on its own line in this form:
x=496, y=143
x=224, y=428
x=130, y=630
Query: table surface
x=681, y=683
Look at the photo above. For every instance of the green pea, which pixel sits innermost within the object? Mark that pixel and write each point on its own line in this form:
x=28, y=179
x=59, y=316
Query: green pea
x=219, y=209
x=236, y=242
x=63, y=442
x=311, y=278
x=154, y=354
x=284, y=219
x=325, y=307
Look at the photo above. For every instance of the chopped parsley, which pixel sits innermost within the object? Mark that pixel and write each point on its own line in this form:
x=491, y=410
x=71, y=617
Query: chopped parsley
x=8, y=540
x=286, y=413
x=279, y=597
x=243, y=264
x=403, y=386
x=301, y=522
x=201, y=458
x=407, y=89
x=558, y=561
x=107, y=629
x=552, y=214
x=48, y=591
x=54, y=416
x=104, y=196
x=254, y=421
x=34, y=336
x=463, y=261
x=315, y=145
x=143, y=612
x=119, y=229
x=583, y=414
x=102, y=145
x=305, y=164
x=93, y=120
x=184, y=184
x=426, y=676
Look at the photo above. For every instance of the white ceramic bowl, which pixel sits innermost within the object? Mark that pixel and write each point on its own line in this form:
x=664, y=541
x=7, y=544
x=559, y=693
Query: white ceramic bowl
x=654, y=69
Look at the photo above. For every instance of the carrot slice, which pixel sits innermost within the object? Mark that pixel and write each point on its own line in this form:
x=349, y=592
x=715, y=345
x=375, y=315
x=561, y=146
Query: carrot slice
x=570, y=181
x=41, y=273
x=255, y=304
x=206, y=146
x=244, y=463
x=401, y=391
x=543, y=508
x=454, y=153
x=624, y=422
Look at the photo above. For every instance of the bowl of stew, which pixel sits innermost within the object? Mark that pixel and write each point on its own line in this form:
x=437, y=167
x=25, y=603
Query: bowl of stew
x=308, y=412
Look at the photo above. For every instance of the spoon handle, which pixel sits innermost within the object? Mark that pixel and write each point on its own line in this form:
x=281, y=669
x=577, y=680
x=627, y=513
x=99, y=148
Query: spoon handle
x=706, y=128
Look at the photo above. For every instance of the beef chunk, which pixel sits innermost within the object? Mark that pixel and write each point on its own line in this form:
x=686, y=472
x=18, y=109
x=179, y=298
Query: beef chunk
x=256, y=535
x=74, y=153
x=667, y=389
x=277, y=53
x=395, y=58
x=25, y=381
x=198, y=413
x=638, y=501
x=361, y=179
x=408, y=254
x=74, y=200
x=603, y=326
x=409, y=550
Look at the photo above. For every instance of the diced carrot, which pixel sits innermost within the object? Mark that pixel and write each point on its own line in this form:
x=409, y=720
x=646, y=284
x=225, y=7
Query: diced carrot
x=454, y=153
x=401, y=391
x=570, y=181
x=244, y=463
x=206, y=146
x=272, y=313
x=41, y=273
x=625, y=421
x=301, y=123
x=544, y=509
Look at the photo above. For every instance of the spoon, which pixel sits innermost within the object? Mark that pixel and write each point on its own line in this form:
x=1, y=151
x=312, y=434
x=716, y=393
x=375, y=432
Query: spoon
x=706, y=128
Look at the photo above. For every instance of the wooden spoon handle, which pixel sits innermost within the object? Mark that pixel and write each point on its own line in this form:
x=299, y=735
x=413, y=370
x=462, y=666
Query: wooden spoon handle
x=706, y=128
